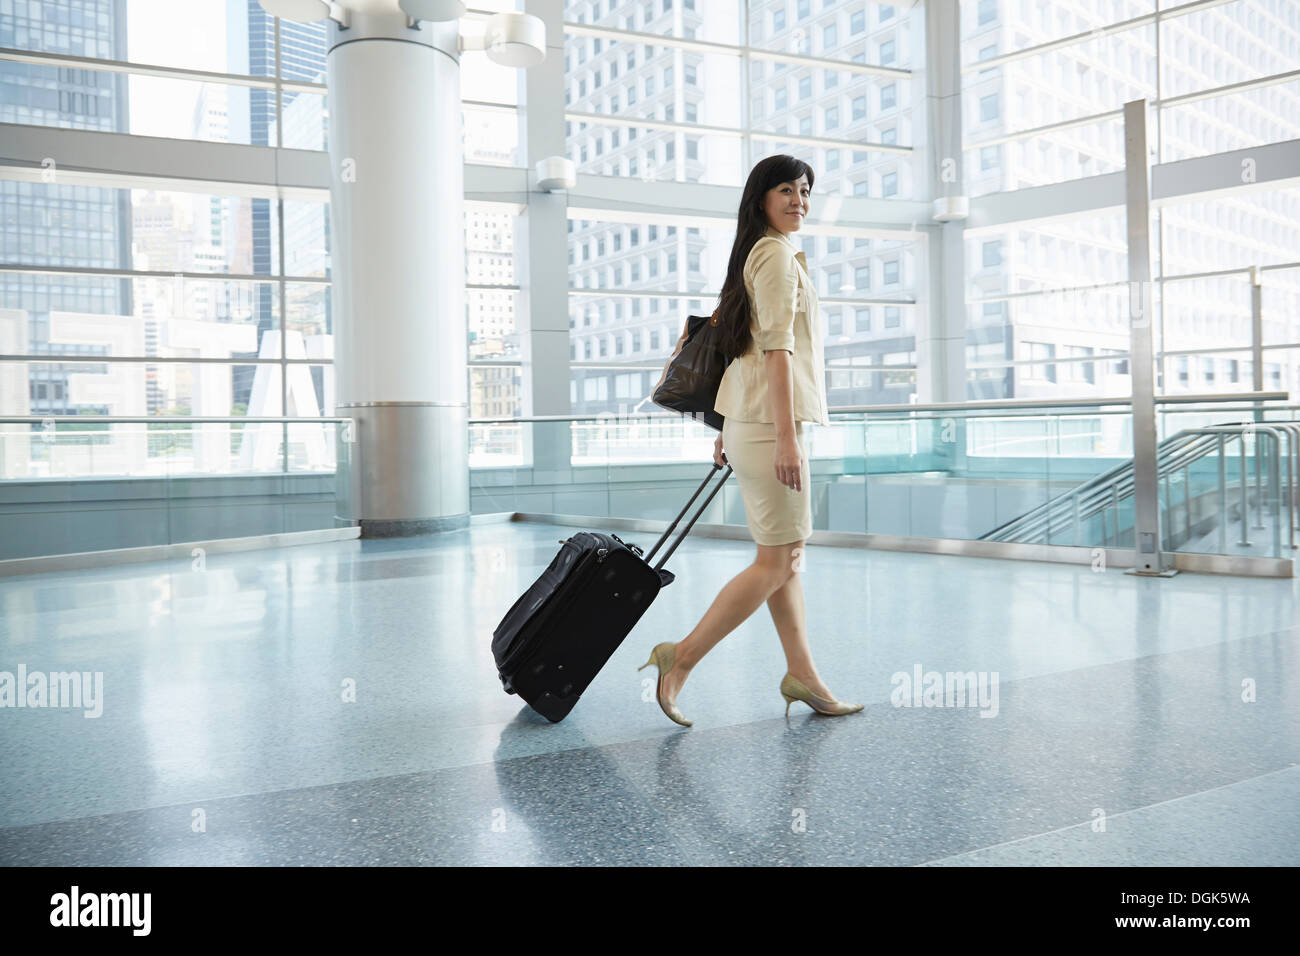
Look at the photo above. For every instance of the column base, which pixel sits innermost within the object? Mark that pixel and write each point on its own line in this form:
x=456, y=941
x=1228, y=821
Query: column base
x=409, y=527
x=405, y=469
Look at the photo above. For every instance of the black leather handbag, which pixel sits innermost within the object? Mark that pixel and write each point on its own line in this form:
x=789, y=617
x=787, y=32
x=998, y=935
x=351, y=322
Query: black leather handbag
x=691, y=378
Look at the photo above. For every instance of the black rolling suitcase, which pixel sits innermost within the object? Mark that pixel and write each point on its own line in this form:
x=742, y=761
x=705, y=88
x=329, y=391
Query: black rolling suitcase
x=555, y=639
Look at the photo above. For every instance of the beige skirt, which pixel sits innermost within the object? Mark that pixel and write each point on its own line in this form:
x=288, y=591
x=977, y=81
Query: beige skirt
x=775, y=513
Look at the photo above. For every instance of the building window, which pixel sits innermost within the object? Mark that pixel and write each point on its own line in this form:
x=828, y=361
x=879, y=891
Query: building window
x=1040, y=370
x=891, y=272
x=888, y=96
x=989, y=108
x=889, y=184
x=779, y=99
x=1080, y=371
x=862, y=278
x=992, y=253
x=862, y=319
x=828, y=36
x=859, y=107
x=778, y=21
x=988, y=12
x=805, y=87
x=832, y=117
x=893, y=318
x=887, y=52
x=990, y=157
x=858, y=22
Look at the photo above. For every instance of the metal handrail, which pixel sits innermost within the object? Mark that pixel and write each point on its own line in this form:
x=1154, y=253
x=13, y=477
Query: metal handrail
x=1116, y=484
x=1103, y=492
x=993, y=405
x=166, y=419
x=1101, y=483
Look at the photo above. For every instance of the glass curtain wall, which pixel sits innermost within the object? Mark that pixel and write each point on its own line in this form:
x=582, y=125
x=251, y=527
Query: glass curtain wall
x=689, y=91
x=1043, y=92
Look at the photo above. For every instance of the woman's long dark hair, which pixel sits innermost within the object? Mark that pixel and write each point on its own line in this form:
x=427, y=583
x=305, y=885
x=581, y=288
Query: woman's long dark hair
x=751, y=223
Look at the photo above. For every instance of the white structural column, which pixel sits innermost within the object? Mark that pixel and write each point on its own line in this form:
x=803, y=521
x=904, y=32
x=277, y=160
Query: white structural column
x=1147, y=556
x=941, y=326
x=542, y=243
x=397, y=235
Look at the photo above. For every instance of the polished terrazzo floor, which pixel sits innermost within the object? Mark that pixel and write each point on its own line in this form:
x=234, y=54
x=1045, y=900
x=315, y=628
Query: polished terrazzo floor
x=1120, y=733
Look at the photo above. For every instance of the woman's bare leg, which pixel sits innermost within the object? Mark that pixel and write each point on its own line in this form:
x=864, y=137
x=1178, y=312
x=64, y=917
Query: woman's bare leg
x=787, y=607
x=740, y=598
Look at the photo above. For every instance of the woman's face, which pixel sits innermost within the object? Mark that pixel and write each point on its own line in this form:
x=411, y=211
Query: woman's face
x=786, y=205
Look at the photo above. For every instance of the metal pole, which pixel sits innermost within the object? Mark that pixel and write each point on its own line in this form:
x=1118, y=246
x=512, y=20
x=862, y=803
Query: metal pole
x=746, y=142
x=1258, y=462
x=1257, y=336
x=1187, y=499
x=1290, y=485
x=1274, y=486
x=1166, y=504
x=1295, y=483
x=1114, y=507
x=1075, y=500
x=1137, y=188
x=1223, y=497
x=1295, y=505
x=1245, y=491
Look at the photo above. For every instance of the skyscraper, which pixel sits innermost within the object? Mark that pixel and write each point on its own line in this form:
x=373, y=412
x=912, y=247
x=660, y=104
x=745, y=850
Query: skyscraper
x=42, y=220
x=251, y=36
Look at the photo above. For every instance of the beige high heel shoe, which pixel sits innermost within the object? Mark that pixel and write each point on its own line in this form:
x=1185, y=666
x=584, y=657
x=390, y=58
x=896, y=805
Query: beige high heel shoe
x=662, y=657
x=792, y=689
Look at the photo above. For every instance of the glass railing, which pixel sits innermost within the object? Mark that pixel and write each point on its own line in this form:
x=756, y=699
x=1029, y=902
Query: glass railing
x=948, y=472
x=72, y=484
x=952, y=472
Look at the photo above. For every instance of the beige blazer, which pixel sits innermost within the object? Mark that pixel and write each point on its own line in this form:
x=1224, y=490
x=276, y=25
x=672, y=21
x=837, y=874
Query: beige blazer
x=784, y=314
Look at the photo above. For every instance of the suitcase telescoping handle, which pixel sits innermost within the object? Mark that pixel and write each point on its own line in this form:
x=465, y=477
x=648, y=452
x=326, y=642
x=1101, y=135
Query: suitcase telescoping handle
x=699, y=511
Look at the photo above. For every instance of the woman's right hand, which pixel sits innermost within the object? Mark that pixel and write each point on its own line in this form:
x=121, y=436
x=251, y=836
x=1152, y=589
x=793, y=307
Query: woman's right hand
x=719, y=458
x=788, y=462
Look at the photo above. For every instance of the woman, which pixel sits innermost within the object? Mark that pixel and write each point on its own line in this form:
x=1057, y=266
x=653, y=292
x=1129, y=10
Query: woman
x=774, y=383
